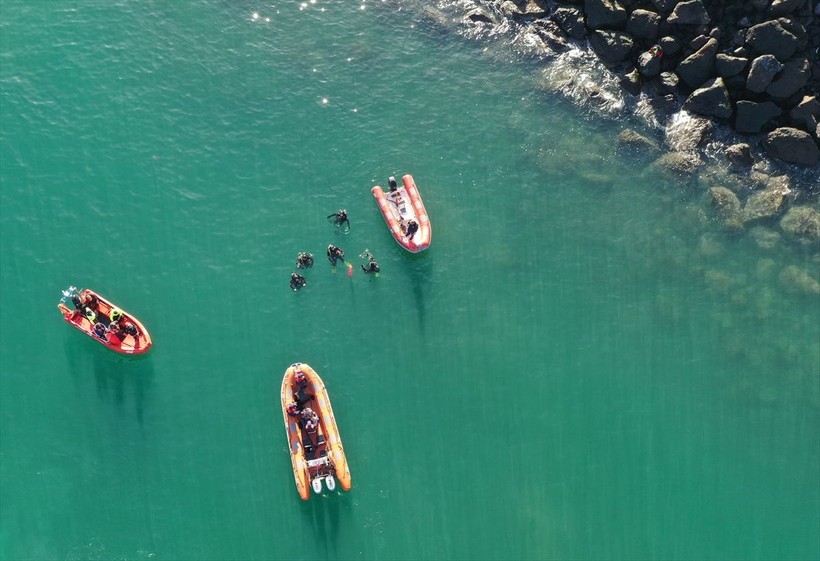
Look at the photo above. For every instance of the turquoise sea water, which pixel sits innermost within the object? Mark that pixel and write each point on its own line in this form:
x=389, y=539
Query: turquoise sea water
x=582, y=366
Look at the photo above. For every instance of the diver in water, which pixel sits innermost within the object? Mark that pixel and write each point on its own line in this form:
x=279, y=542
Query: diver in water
x=372, y=266
x=297, y=281
x=304, y=260
x=340, y=219
x=335, y=254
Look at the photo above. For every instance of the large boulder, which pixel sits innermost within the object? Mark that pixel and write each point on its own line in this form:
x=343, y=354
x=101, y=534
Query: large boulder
x=806, y=114
x=761, y=73
x=699, y=66
x=690, y=12
x=770, y=37
x=664, y=6
x=611, y=46
x=686, y=134
x=604, y=13
x=631, y=82
x=783, y=7
x=649, y=64
x=802, y=222
x=571, y=22
x=752, y=116
x=643, y=24
x=793, y=146
x=739, y=156
x=670, y=45
x=728, y=66
x=667, y=82
x=710, y=100
x=795, y=75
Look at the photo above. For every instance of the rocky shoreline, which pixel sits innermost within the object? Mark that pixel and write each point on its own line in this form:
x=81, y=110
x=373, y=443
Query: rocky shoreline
x=751, y=67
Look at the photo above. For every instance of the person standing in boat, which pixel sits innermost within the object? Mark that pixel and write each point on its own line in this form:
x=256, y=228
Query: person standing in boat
x=297, y=281
x=335, y=254
x=340, y=219
x=410, y=228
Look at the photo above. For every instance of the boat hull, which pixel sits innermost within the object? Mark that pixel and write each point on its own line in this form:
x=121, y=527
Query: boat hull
x=302, y=471
x=401, y=205
x=129, y=345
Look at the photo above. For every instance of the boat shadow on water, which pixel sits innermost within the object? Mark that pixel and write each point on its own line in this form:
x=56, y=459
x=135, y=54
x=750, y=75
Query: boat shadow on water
x=324, y=513
x=419, y=270
x=117, y=378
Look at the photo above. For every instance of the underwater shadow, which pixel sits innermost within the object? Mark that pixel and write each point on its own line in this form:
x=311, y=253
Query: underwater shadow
x=324, y=513
x=418, y=271
x=118, y=377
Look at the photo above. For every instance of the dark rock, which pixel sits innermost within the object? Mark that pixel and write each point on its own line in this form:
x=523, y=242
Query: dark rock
x=604, y=13
x=727, y=65
x=699, y=66
x=802, y=222
x=793, y=146
x=783, y=7
x=649, y=64
x=630, y=140
x=571, y=21
x=758, y=5
x=688, y=13
x=643, y=24
x=763, y=69
x=696, y=43
x=669, y=45
x=739, y=156
x=664, y=6
x=795, y=75
x=771, y=38
x=479, y=14
x=631, y=82
x=752, y=116
x=662, y=107
x=710, y=100
x=795, y=28
x=612, y=46
x=667, y=82
x=806, y=114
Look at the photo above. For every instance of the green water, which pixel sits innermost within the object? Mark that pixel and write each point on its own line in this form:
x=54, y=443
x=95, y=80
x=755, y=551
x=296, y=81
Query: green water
x=582, y=366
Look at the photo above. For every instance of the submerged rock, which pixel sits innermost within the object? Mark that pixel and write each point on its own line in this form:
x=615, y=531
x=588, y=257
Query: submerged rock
x=764, y=204
x=795, y=279
x=727, y=205
x=630, y=140
x=681, y=164
x=802, y=222
x=739, y=156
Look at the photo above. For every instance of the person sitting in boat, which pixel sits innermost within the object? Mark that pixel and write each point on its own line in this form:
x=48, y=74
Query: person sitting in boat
x=304, y=260
x=300, y=378
x=391, y=182
x=340, y=219
x=335, y=254
x=297, y=281
x=100, y=331
x=128, y=327
x=293, y=409
x=115, y=315
x=90, y=314
x=310, y=419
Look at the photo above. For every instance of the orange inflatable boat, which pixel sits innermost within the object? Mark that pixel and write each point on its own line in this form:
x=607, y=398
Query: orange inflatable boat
x=316, y=450
x=104, y=322
x=404, y=213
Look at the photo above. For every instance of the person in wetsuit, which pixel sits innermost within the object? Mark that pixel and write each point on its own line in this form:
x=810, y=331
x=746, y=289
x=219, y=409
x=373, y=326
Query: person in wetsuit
x=297, y=281
x=340, y=219
x=304, y=260
x=335, y=254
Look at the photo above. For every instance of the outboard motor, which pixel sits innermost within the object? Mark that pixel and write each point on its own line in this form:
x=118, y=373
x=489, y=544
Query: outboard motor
x=392, y=182
x=317, y=485
x=330, y=482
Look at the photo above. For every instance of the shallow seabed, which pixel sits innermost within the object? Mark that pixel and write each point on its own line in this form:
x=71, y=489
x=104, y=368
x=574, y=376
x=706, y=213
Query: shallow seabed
x=582, y=366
